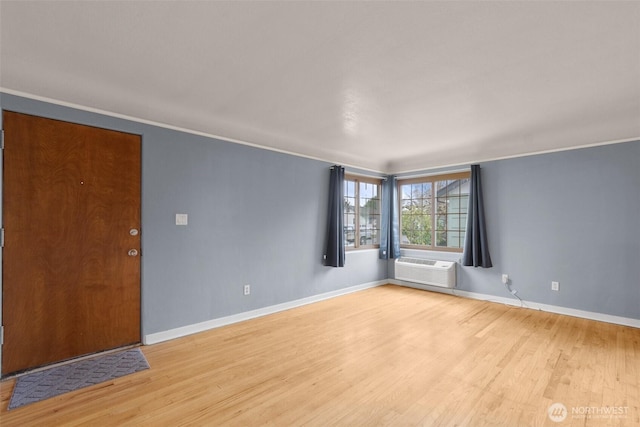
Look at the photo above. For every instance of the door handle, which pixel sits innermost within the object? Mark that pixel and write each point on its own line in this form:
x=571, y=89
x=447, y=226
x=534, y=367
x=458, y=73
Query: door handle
x=133, y=252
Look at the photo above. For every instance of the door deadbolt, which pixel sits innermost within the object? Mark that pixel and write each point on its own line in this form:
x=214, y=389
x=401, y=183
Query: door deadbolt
x=133, y=231
x=133, y=252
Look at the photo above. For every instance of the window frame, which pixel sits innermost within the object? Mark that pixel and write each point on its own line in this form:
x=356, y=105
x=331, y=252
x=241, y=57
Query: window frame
x=430, y=179
x=356, y=240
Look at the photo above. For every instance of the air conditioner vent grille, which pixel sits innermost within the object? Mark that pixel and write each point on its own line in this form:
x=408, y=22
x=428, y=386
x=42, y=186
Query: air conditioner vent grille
x=426, y=271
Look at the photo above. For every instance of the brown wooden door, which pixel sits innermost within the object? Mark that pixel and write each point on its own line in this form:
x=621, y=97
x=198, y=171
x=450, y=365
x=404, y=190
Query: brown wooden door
x=71, y=198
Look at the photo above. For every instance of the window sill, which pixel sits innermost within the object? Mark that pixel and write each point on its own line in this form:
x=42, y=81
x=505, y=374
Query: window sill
x=430, y=249
x=362, y=248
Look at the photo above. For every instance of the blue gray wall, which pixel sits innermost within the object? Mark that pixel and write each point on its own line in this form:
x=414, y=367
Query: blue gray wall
x=255, y=217
x=571, y=217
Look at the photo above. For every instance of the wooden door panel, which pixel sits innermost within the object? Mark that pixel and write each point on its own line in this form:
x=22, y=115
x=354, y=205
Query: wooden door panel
x=71, y=195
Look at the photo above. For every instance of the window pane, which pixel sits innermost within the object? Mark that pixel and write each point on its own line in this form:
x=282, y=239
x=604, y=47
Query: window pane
x=441, y=238
x=424, y=204
x=423, y=237
x=453, y=221
x=453, y=239
x=453, y=187
x=369, y=206
x=367, y=235
x=454, y=204
x=349, y=188
x=416, y=191
x=411, y=236
x=426, y=189
x=416, y=229
x=376, y=237
x=374, y=221
x=349, y=212
x=464, y=186
x=427, y=206
x=406, y=221
x=350, y=221
x=464, y=203
x=349, y=205
x=349, y=236
x=369, y=229
x=405, y=191
x=416, y=237
x=367, y=190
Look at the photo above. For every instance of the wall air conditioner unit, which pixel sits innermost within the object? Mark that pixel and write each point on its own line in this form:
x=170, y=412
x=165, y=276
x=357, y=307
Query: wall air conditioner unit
x=426, y=271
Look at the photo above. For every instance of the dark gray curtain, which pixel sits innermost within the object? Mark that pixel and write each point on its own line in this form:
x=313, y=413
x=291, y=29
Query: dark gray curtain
x=334, y=247
x=476, y=244
x=390, y=227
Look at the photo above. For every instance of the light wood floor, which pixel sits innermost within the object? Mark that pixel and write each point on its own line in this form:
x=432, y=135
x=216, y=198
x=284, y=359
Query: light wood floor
x=384, y=356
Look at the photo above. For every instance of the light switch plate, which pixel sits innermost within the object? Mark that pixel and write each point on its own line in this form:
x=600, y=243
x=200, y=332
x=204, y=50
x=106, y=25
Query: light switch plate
x=182, y=219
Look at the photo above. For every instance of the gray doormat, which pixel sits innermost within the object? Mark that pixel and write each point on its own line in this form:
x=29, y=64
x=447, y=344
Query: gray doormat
x=52, y=382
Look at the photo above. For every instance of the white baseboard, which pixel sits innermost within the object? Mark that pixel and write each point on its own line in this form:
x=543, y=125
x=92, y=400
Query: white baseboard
x=240, y=317
x=608, y=318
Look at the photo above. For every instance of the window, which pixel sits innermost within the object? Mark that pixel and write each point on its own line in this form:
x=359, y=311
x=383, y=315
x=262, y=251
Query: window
x=361, y=212
x=433, y=211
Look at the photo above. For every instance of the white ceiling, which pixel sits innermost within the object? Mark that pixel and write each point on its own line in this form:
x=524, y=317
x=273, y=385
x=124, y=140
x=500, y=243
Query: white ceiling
x=387, y=86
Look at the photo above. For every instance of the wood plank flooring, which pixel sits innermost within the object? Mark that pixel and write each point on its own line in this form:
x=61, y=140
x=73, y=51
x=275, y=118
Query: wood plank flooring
x=384, y=356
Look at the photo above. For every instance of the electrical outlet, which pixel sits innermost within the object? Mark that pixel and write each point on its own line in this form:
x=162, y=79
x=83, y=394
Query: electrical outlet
x=505, y=278
x=555, y=286
x=247, y=289
x=182, y=219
